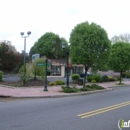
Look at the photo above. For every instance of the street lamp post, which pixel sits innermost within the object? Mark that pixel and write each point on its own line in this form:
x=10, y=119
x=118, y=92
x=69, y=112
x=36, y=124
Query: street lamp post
x=45, y=81
x=67, y=64
x=22, y=34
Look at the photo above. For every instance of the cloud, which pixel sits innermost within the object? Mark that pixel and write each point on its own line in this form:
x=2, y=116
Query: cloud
x=60, y=17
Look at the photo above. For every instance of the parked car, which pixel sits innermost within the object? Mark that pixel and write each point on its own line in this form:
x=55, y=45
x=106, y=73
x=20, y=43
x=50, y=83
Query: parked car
x=83, y=74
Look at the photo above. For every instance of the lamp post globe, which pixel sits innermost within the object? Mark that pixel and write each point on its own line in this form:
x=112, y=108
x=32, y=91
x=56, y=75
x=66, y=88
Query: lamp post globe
x=63, y=45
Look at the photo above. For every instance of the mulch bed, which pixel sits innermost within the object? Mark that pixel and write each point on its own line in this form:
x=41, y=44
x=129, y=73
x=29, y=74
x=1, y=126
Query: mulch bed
x=32, y=82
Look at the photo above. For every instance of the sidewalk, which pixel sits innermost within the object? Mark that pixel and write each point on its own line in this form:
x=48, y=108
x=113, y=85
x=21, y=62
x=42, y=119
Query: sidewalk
x=53, y=91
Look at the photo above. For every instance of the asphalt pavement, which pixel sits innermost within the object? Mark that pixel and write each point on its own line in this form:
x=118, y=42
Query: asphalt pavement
x=15, y=77
x=62, y=113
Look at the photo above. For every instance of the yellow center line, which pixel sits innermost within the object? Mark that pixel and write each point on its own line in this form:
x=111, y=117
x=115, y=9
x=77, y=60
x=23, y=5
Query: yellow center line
x=102, y=110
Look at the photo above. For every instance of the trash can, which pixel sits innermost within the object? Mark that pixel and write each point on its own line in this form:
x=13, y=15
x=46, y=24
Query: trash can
x=80, y=82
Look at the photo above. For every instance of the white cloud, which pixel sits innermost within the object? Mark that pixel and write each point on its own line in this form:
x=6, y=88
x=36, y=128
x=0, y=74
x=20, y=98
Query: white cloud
x=60, y=17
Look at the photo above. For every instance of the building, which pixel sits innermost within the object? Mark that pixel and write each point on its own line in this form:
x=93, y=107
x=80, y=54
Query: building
x=59, y=68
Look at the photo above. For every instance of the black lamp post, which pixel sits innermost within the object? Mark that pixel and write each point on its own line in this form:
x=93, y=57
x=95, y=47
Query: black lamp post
x=22, y=34
x=45, y=81
x=67, y=67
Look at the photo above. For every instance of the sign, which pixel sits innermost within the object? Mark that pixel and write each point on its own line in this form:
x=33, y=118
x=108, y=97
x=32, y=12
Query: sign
x=35, y=57
x=40, y=64
x=122, y=124
x=44, y=64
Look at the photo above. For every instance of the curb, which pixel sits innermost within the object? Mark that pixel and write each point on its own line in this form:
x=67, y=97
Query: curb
x=59, y=96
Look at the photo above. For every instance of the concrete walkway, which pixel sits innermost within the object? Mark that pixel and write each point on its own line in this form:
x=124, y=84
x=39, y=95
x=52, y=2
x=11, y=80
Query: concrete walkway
x=53, y=91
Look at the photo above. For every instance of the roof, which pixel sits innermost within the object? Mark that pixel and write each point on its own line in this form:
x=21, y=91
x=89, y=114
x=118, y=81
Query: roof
x=57, y=61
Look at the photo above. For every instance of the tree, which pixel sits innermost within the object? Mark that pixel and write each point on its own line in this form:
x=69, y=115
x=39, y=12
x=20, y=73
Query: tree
x=0, y=55
x=9, y=58
x=90, y=46
x=31, y=52
x=39, y=70
x=49, y=45
x=121, y=38
x=120, y=57
x=12, y=48
x=3, y=56
x=25, y=77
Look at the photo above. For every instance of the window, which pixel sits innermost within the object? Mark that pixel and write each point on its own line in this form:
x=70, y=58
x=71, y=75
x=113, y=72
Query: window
x=55, y=70
x=77, y=70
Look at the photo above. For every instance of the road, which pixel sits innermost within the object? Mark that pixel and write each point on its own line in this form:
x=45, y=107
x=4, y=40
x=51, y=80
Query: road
x=13, y=78
x=63, y=113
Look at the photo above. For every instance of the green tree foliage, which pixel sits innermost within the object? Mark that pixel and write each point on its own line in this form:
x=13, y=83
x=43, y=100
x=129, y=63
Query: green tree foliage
x=49, y=45
x=75, y=76
x=39, y=70
x=9, y=59
x=120, y=57
x=121, y=38
x=1, y=76
x=31, y=52
x=90, y=46
x=0, y=56
x=32, y=70
x=25, y=78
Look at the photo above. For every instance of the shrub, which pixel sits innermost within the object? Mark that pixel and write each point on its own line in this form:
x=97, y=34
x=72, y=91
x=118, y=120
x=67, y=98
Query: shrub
x=91, y=87
x=39, y=70
x=93, y=81
x=84, y=89
x=124, y=74
x=1, y=76
x=60, y=82
x=89, y=78
x=115, y=79
x=25, y=77
x=128, y=75
x=52, y=83
x=75, y=76
x=95, y=86
x=96, y=77
x=88, y=86
x=105, y=78
x=111, y=79
x=118, y=78
x=69, y=90
x=101, y=80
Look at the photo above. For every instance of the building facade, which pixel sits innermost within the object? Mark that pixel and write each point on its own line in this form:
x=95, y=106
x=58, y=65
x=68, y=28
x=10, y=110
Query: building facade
x=59, y=68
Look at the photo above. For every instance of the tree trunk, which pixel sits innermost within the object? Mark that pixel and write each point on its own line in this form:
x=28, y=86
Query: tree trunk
x=35, y=74
x=84, y=79
x=120, y=76
x=86, y=70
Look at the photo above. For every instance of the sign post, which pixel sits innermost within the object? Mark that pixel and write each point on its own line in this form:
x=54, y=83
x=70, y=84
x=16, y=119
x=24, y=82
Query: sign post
x=45, y=64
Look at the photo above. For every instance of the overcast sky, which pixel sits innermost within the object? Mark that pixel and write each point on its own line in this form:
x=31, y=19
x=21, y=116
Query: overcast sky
x=60, y=17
